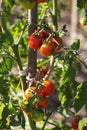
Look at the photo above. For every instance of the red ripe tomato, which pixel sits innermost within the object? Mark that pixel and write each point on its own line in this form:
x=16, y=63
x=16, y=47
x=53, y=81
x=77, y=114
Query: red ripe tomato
x=47, y=89
x=29, y=92
x=74, y=122
x=44, y=34
x=44, y=70
x=57, y=43
x=41, y=1
x=46, y=49
x=35, y=41
x=42, y=102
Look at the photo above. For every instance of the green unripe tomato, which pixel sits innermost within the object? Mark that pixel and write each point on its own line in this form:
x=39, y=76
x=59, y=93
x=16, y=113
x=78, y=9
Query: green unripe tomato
x=37, y=115
x=27, y=4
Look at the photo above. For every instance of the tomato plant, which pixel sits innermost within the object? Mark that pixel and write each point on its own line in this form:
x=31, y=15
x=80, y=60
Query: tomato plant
x=22, y=106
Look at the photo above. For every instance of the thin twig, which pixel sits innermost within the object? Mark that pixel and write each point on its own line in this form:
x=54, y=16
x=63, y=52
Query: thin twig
x=50, y=68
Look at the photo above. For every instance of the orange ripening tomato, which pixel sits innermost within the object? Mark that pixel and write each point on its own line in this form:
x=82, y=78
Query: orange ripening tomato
x=42, y=102
x=41, y=1
x=35, y=41
x=46, y=49
x=74, y=122
x=29, y=92
x=47, y=89
x=44, y=70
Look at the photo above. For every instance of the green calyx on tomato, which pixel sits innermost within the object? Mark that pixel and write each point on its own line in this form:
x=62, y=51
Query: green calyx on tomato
x=27, y=4
x=37, y=115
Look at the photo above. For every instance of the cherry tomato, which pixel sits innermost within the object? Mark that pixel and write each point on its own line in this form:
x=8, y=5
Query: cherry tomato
x=57, y=43
x=44, y=34
x=44, y=70
x=27, y=4
x=74, y=122
x=35, y=41
x=42, y=102
x=41, y=1
x=47, y=89
x=46, y=49
x=37, y=115
x=29, y=92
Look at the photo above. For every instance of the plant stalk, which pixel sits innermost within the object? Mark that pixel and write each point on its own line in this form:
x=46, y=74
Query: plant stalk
x=32, y=55
x=55, y=14
x=18, y=59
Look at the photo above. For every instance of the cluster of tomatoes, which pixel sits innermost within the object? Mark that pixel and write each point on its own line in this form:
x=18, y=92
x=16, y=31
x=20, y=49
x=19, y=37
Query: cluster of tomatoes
x=29, y=4
x=37, y=98
x=46, y=41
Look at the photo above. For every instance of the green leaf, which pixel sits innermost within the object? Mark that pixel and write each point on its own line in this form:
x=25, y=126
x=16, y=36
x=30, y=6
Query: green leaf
x=1, y=109
x=8, y=63
x=83, y=124
x=76, y=45
x=5, y=113
x=68, y=75
x=65, y=97
x=14, y=122
x=82, y=4
x=21, y=119
x=84, y=22
x=81, y=96
x=9, y=38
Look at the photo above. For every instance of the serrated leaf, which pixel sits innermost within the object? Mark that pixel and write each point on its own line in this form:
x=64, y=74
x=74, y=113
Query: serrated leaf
x=68, y=75
x=21, y=119
x=8, y=63
x=76, y=45
x=9, y=38
x=81, y=96
x=82, y=123
x=65, y=97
